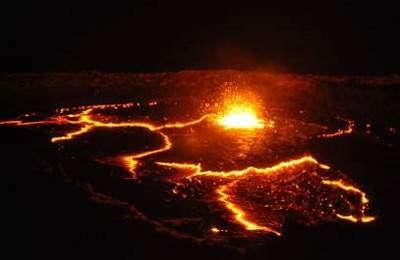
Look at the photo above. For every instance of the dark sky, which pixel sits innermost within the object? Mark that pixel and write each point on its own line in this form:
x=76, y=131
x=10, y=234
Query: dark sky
x=341, y=37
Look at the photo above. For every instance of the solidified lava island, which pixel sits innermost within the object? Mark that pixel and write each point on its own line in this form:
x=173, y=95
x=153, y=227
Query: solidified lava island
x=212, y=155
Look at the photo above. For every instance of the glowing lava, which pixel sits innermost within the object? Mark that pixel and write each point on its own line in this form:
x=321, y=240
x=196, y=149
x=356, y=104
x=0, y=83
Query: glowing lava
x=363, y=201
x=267, y=170
x=280, y=170
x=240, y=116
x=237, y=115
x=340, y=132
x=130, y=162
x=239, y=214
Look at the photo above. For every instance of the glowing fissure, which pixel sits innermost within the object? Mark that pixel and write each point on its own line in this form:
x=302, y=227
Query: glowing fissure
x=363, y=201
x=237, y=117
x=70, y=135
x=129, y=161
x=278, y=167
x=340, y=132
x=88, y=124
x=22, y=123
x=240, y=216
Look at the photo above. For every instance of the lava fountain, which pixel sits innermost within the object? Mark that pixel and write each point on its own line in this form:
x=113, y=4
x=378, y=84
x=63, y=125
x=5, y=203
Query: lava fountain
x=240, y=112
x=240, y=116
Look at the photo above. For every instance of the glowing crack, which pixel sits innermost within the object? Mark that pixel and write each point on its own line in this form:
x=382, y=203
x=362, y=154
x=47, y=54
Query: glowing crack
x=340, y=132
x=235, y=117
x=363, y=201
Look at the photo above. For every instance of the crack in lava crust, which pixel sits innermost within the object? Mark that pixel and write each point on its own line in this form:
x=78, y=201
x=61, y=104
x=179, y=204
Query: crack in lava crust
x=236, y=175
x=239, y=214
x=87, y=122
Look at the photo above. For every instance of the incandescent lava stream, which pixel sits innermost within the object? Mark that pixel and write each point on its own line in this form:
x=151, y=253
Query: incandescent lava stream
x=256, y=198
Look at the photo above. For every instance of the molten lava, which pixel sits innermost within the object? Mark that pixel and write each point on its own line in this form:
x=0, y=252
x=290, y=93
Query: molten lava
x=277, y=187
x=363, y=201
x=240, y=116
x=239, y=214
x=341, y=132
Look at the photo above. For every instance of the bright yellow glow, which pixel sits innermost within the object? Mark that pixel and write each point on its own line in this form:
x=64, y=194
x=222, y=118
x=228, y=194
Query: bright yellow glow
x=240, y=116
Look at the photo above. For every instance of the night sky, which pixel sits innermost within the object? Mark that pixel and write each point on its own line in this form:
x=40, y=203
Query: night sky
x=343, y=37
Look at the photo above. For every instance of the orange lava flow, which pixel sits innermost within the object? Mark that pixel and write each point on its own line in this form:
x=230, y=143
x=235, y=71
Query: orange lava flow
x=130, y=162
x=363, y=201
x=182, y=125
x=70, y=135
x=85, y=118
x=101, y=107
x=88, y=124
x=242, y=217
x=348, y=130
x=22, y=123
x=278, y=167
x=237, y=117
x=182, y=166
x=239, y=214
